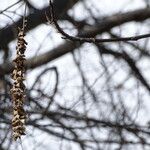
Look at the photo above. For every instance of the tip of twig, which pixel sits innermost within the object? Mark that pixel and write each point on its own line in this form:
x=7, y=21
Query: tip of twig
x=48, y=19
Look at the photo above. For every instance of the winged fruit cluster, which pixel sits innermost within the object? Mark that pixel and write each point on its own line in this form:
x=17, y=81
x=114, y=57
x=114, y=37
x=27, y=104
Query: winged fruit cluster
x=18, y=89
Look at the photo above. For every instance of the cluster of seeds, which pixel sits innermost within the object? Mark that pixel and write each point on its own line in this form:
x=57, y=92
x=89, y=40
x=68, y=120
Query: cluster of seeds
x=18, y=89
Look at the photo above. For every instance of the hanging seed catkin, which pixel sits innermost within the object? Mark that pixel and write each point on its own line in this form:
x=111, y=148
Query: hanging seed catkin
x=18, y=89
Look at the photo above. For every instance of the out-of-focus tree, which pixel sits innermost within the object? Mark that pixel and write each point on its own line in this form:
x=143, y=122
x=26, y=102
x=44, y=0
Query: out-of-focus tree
x=87, y=83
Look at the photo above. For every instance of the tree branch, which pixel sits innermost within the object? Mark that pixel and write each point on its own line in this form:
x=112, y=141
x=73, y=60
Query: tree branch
x=37, y=17
x=91, y=39
x=107, y=24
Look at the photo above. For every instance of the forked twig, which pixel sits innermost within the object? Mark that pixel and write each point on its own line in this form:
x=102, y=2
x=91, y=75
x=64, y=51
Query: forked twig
x=92, y=39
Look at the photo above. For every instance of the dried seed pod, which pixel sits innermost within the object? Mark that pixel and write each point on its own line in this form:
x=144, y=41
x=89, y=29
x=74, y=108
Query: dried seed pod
x=18, y=89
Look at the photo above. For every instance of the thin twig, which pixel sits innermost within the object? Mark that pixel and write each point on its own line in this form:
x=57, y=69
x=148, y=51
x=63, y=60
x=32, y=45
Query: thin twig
x=89, y=40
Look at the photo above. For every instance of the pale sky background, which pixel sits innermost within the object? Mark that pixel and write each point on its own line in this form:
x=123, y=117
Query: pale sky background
x=37, y=37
